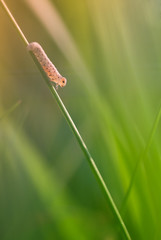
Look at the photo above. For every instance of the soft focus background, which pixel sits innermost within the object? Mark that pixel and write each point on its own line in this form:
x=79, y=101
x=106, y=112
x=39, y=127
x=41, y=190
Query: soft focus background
x=110, y=53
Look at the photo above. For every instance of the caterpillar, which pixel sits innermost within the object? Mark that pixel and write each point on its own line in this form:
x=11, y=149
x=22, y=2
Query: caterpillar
x=46, y=64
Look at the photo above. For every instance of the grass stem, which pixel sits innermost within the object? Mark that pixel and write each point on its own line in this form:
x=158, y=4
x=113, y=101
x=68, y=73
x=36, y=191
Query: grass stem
x=14, y=22
x=76, y=133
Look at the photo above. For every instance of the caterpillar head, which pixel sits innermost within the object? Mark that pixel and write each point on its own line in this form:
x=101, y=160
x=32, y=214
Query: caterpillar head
x=62, y=82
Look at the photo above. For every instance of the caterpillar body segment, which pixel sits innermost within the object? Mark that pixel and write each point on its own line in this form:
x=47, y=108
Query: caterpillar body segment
x=46, y=64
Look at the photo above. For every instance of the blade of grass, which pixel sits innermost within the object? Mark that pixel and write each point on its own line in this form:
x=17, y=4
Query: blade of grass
x=76, y=133
x=142, y=157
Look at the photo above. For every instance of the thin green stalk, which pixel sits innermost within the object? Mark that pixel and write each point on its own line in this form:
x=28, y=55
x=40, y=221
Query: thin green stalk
x=76, y=133
x=142, y=157
x=14, y=22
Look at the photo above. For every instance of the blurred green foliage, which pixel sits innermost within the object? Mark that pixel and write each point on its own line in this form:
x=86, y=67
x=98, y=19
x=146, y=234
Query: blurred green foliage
x=109, y=51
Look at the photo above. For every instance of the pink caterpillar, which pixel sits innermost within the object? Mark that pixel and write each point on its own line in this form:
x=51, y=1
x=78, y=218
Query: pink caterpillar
x=46, y=64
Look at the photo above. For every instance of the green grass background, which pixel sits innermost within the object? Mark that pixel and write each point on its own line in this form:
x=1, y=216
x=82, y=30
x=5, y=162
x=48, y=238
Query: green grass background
x=110, y=53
